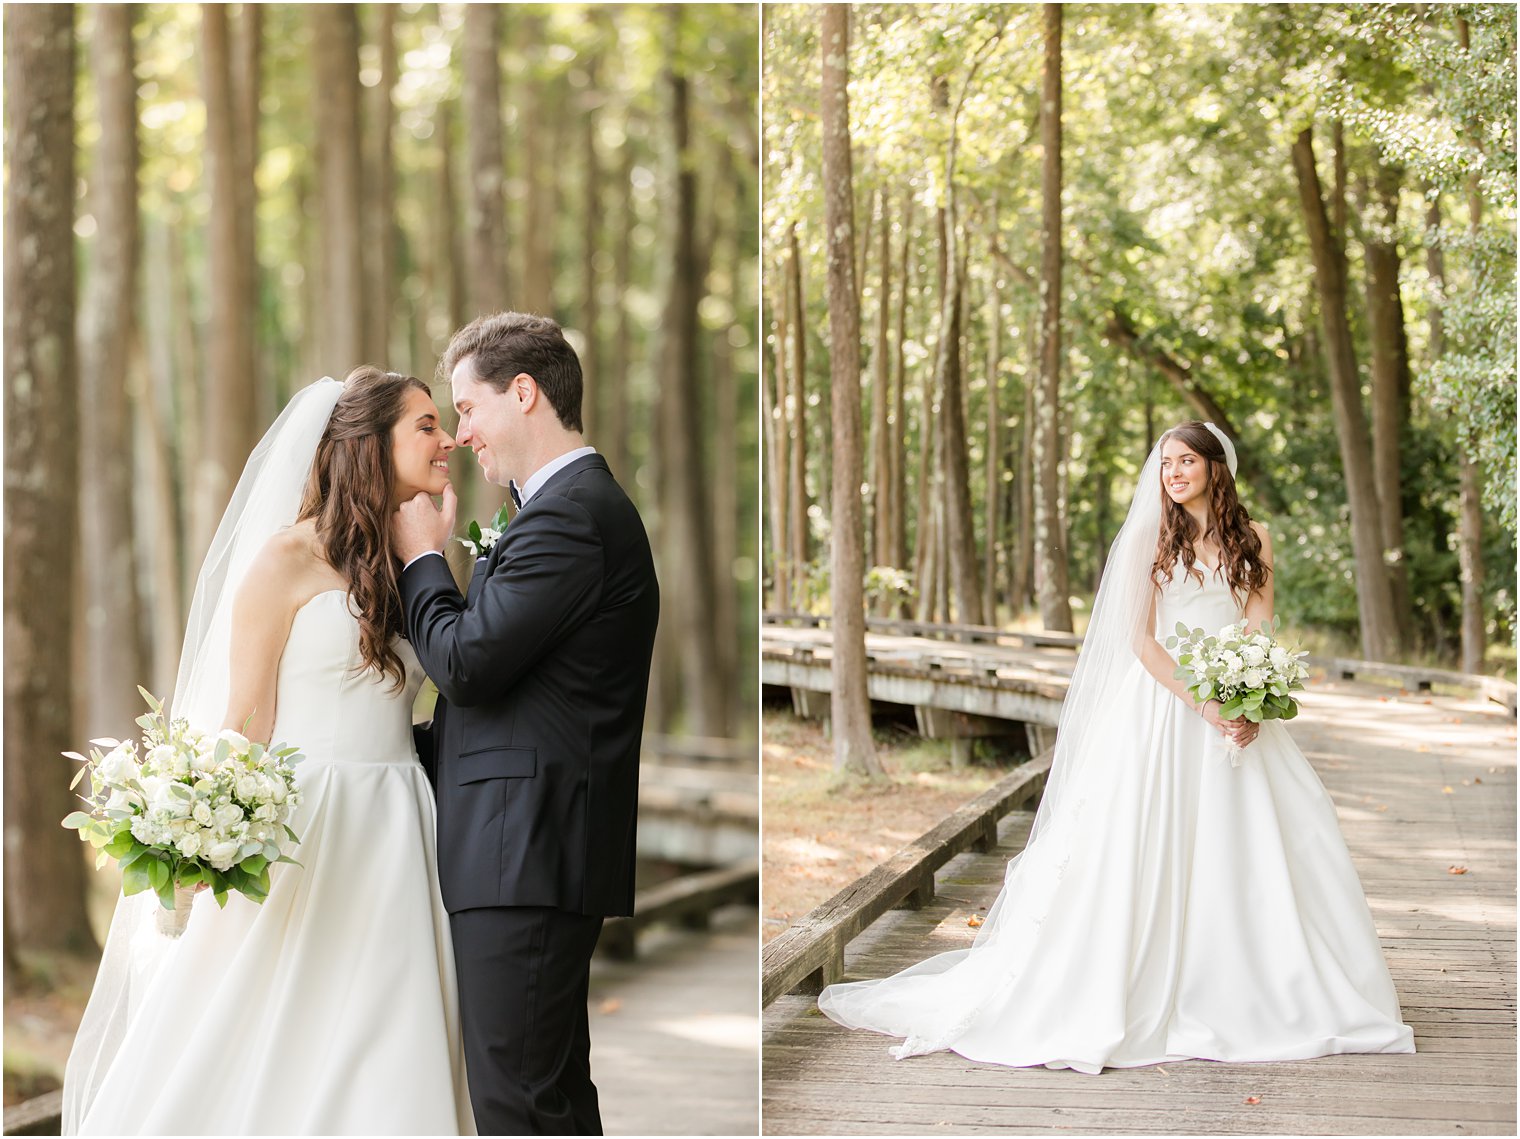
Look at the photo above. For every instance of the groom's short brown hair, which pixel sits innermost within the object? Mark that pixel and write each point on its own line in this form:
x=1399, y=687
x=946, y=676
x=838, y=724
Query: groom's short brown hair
x=505, y=344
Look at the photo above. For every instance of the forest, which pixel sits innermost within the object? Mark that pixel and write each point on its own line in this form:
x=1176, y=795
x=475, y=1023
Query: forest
x=210, y=206
x=1072, y=226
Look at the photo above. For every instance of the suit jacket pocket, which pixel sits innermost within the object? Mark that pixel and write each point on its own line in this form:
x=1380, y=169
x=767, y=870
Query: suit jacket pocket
x=497, y=763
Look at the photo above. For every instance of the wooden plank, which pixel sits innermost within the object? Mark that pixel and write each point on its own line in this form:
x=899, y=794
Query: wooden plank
x=40, y=1115
x=689, y=900
x=1449, y=941
x=816, y=942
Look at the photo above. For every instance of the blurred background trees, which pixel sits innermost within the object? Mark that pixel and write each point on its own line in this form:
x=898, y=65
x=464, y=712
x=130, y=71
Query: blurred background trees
x=1297, y=221
x=259, y=195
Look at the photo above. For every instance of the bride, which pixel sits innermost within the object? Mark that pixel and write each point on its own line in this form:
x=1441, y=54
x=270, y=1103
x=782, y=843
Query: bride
x=1168, y=904
x=330, y=1008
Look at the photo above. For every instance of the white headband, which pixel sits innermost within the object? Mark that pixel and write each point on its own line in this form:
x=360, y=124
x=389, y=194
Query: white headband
x=1224, y=441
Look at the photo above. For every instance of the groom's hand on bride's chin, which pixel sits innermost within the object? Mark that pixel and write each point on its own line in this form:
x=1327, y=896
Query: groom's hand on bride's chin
x=418, y=526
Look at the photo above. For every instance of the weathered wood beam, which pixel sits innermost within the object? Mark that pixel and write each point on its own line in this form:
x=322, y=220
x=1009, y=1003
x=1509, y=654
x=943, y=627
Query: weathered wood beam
x=810, y=954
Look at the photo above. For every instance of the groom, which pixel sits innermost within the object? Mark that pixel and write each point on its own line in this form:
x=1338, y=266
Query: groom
x=542, y=669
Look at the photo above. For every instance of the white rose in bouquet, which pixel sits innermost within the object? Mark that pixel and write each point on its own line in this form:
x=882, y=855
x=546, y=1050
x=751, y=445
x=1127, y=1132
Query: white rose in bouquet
x=1253, y=655
x=120, y=765
x=169, y=817
x=229, y=814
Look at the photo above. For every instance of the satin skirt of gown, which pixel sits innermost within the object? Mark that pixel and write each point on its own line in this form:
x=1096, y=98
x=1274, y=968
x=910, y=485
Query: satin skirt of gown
x=331, y=1008
x=1173, y=907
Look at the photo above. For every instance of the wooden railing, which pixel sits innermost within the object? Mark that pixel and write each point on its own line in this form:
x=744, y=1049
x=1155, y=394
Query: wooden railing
x=688, y=901
x=967, y=634
x=1418, y=677
x=40, y=1115
x=810, y=954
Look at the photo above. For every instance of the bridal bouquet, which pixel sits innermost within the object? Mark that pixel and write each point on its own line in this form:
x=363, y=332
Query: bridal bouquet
x=1252, y=676
x=184, y=809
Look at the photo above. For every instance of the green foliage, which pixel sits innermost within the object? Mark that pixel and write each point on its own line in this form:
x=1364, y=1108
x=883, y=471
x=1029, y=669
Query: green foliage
x=1182, y=213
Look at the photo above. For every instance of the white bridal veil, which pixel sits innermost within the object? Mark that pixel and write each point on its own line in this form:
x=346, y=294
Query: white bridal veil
x=266, y=499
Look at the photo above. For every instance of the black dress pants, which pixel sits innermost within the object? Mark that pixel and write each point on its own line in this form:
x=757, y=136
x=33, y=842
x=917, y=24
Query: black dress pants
x=523, y=978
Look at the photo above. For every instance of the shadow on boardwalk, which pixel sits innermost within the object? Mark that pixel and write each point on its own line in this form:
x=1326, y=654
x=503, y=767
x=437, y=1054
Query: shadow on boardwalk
x=674, y=1035
x=1422, y=784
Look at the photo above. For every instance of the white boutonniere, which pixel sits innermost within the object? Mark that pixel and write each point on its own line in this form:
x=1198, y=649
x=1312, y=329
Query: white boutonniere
x=479, y=539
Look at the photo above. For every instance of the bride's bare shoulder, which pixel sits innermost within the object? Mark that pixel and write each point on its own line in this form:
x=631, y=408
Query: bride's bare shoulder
x=285, y=567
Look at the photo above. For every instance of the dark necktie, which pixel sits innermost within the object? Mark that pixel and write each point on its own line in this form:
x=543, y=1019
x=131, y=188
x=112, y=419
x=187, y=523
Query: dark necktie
x=514, y=494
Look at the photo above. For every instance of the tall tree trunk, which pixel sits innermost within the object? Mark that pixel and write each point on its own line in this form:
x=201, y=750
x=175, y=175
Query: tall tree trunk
x=1049, y=525
x=111, y=664
x=159, y=539
x=1470, y=528
x=620, y=375
x=777, y=455
x=881, y=380
x=960, y=528
x=1374, y=598
x=230, y=408
x=927, y=542
x=247, y=54
x=1390, y=383
x=535, y=117
x=44, y=867
x=689, y=528
x=722, y=475
x=188, y=379
x=854, y=749
x=994, y=473
x=453, y=288
x=380, y=197
x=797, y=495
x=591, y=356
x=1021, y=584
x=485, y=218
x=898, y=543
x=335, y=75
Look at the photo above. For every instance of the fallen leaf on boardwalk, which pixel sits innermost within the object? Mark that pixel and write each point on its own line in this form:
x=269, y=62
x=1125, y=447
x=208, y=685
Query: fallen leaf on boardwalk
x=1382, y=699
x=1423, y=747
x=1384, y=807
x=1427, y=701
x=1447, y=790
x=1466, y=783
x=1456, y=870
x=973, y=921
x=1253, y=1100
x=1477, y=779
x=610, y=1005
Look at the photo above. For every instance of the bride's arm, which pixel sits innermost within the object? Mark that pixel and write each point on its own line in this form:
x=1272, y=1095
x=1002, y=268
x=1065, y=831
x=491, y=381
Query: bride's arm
x=261, y=617
x=1159, y=663
x=1259, y=605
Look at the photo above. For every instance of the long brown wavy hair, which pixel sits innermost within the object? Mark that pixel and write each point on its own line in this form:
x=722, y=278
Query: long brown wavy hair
x=1229, y=524
x=349, y=495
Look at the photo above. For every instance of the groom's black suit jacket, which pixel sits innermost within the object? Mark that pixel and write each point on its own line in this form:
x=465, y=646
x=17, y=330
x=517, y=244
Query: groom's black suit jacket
x=542, y=670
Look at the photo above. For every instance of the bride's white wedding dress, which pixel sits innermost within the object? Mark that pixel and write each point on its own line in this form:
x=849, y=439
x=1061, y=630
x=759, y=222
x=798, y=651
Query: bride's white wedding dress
x=1172, y=907
x=329, y=1009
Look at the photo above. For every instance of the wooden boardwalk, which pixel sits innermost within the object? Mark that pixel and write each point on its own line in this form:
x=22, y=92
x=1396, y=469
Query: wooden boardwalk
x=675, y=1033
x=1422, y=784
